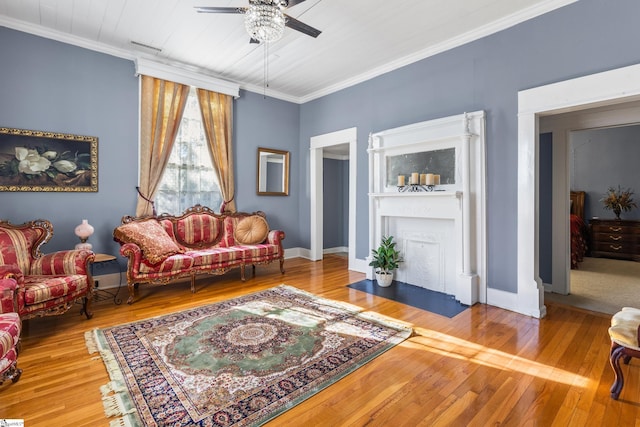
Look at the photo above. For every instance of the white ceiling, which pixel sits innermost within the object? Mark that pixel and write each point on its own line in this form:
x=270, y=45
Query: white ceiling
x=360, y=38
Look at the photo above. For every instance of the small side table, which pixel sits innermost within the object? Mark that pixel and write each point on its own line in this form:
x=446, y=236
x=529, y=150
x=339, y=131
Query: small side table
x=104, y=258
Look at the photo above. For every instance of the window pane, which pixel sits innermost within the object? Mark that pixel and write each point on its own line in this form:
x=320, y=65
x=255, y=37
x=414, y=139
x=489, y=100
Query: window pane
x=189, y=177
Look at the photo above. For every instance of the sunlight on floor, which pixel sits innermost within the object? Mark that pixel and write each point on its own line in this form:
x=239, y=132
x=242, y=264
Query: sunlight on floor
x=450, y=346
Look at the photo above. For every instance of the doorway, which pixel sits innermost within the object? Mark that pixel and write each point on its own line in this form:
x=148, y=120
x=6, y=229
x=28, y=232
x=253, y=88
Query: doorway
x=319, y=144
x=597, y=90
x=563, y=128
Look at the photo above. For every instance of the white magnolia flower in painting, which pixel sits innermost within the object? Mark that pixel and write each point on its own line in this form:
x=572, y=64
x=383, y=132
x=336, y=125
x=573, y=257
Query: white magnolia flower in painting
x=49, y=155
x=65, y=166
x=31, y=163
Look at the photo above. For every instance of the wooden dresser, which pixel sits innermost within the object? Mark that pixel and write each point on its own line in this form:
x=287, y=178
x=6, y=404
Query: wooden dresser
x=612, y=238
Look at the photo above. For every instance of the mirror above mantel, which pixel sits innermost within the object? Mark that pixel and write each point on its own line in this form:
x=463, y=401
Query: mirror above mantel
x=273, y=172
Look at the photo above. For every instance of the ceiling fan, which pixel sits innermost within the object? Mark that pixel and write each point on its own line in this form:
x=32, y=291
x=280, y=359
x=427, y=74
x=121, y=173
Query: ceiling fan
x=265, y=19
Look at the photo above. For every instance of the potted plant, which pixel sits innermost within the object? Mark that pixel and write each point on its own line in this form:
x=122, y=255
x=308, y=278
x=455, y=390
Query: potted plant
x=384, y=260
x=618, y=200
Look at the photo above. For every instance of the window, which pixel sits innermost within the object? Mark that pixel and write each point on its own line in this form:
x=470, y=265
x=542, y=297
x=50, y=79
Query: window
x=189, y=177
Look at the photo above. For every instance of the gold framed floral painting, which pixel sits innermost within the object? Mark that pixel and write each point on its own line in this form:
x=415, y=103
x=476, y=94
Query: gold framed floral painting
x=47, y=161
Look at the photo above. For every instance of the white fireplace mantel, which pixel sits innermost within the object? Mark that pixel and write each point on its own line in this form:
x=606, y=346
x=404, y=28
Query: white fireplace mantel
x=440, y=233
x=437, y=204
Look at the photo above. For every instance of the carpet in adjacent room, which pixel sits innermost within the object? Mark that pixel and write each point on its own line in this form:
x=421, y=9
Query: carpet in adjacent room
x=415, y=296
x=602, y=285
x=239, y=362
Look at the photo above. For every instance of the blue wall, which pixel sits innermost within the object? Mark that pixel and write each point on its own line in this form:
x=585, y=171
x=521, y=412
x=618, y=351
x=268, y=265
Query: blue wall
x=46, y=85
x=269, y=123
x=51, y=86
x=335, y=203
x=604, y=158
x=545, y=215
x=586, y=37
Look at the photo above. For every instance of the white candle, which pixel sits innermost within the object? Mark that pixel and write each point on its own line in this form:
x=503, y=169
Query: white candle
x=423, y=179
x=436, y=179
x=430, y=179
x=414, y=178
x=400, y=180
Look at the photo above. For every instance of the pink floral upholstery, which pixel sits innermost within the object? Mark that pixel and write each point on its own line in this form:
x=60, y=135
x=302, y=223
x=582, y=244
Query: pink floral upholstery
x=46, y=284
x=10, y=328
x=208, y=244
x=151, y=237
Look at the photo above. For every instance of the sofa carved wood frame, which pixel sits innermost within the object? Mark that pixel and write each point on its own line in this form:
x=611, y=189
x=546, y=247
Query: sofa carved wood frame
x=130, y=253
x=22, y=259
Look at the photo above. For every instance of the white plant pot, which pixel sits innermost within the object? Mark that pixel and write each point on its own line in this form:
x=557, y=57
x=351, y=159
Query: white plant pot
x=384, y=279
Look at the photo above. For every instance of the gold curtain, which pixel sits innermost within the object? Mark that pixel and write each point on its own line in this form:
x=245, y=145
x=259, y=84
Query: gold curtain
x=161, y=108
x=217, y=117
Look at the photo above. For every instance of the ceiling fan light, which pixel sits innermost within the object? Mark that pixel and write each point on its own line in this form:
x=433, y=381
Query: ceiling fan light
x=264, y=22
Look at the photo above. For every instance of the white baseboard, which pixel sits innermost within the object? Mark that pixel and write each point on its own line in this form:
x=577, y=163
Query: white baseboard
x=359, y=265
x=336, y=250
x=297, y=253
x=509, y=301
x=502, y=299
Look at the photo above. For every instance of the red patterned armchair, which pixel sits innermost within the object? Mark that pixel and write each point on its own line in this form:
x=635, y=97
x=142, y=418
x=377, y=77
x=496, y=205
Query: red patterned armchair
x=46, y=284
x=10, y=328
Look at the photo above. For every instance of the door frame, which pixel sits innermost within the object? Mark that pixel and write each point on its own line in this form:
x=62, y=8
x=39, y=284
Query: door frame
x=595, y=90
x=317, y=145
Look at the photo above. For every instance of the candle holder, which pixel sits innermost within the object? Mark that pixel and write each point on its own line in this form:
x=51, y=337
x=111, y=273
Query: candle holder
x=415, y=188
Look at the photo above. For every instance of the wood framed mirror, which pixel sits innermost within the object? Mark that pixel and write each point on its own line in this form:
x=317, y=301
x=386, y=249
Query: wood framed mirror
x=273, y=172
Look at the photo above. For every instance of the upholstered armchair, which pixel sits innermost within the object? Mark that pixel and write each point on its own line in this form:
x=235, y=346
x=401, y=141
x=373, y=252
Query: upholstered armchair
x=46, y=284
x=10, y=328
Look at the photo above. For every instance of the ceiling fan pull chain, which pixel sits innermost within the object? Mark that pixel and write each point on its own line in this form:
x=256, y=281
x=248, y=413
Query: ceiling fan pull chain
x=266, y=68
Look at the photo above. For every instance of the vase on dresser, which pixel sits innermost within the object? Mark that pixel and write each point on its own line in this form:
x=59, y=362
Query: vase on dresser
x=617, y=213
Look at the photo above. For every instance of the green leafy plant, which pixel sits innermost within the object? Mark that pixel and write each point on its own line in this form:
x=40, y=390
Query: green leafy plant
x=386, y=257
x=618, y=200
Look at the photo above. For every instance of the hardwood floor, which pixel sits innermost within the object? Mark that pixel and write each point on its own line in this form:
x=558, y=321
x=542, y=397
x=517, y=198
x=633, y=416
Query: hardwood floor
x=486, y=366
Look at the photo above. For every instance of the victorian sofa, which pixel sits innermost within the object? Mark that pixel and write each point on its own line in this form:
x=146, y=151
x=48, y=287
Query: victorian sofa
x=165, y=247
x=46, y=284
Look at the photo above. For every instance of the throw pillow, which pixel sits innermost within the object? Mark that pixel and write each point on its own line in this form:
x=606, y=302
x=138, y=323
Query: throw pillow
x=251, y=230
x=151, y=237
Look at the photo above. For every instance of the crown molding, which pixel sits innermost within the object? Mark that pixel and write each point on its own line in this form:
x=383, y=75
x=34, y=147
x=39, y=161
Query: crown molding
x=48, y=33
x=485, y=30
x=145, y=64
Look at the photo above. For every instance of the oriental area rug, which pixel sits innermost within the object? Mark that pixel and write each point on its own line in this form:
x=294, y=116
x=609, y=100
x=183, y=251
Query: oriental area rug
x=239, y=362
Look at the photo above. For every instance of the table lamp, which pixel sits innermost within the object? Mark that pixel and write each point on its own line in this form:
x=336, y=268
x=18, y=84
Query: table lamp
x=83, y=231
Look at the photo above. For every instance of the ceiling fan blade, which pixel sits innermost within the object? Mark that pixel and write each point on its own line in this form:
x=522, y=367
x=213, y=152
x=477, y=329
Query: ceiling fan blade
x=292, y=3
x=207, y=9
x=301, y=26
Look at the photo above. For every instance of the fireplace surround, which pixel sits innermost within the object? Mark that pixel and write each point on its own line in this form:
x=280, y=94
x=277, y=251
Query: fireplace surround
x=441, y=234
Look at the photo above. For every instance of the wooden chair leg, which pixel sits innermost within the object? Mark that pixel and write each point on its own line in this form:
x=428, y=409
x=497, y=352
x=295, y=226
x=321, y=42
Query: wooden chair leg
x=242, y=272
x=616, y=353
x=86, y=304
x=132, y=290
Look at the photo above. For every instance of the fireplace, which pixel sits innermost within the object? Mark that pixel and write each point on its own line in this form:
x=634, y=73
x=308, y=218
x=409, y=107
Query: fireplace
x=440, y=233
